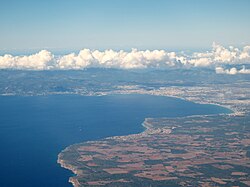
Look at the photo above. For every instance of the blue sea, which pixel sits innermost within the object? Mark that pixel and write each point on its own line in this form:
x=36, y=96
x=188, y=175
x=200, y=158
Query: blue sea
x=34, y=129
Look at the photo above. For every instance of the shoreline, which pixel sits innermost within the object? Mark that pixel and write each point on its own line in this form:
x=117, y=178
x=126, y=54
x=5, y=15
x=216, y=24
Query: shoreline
x=71, y=180
x=229, y=107
x=147, y=126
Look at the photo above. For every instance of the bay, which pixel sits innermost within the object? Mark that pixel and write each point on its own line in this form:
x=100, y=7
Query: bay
x=34, y=129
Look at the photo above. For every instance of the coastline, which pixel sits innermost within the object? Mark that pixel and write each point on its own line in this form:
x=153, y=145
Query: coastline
x=236, y=111
x=148, y=129
x=69, y=167
x=73, y=179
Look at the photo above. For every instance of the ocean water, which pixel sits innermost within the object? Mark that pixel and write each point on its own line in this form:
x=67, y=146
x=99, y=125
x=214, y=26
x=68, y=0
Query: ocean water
x=33, y=130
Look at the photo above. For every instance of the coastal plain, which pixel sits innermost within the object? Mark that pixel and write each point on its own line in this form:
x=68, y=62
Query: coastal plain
x=188, y=151
x=205, y=150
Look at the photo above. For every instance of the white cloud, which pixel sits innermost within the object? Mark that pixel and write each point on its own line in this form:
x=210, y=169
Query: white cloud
x=244, y=70
x=39, y=61
x=202, y=62
x=117, y=59
x=232, y=71
x=245, y=53
x=221, y=55
x=134, y=59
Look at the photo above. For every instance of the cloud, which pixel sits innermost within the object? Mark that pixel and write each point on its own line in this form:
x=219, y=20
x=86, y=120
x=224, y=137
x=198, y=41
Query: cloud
x=134, y=59
x=232, y=71
x=39, y=61
x=118, y=59
x=221, y=55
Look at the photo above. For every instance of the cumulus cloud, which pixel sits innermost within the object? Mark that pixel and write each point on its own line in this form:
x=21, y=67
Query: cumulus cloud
x=39, y=61
x=117, y=59
x=134, y=59
x=232, y=71
x=221, y=55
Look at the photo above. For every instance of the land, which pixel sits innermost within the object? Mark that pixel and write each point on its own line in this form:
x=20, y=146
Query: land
x=209, y=150
x=190, y=151
x=201, y=86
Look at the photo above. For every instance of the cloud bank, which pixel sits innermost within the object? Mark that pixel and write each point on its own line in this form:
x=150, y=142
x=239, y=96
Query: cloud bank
x=232, y=71
x=134, y=59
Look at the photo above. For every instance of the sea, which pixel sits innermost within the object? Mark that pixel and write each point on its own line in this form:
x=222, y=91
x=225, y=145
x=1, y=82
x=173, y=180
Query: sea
x=35, y=129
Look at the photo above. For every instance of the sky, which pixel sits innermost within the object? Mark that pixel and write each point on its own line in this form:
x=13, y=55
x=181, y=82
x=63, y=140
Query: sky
x=33, y=25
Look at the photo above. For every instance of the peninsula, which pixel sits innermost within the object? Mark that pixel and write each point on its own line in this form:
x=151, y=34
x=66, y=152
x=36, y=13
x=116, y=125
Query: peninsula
x=208, y=150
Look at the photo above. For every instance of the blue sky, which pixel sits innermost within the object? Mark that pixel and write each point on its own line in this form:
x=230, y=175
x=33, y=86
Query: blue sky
x=117, y=24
